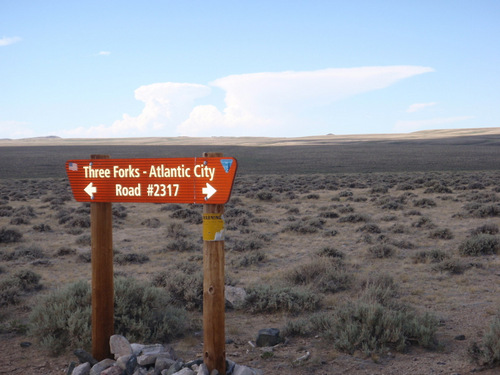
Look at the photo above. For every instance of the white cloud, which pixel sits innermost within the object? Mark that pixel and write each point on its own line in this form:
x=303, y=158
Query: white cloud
x=269, y=101
x=165, y=104
x=418, y=106
x=6, y=41
x=104, y=53
x=435, y=123
x=255, y=104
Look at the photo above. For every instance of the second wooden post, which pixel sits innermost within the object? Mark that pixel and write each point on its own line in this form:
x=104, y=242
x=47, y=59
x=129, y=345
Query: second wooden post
x=214, y=337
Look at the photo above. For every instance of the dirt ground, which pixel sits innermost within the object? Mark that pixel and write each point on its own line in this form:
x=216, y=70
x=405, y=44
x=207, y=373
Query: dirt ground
x=464, y=302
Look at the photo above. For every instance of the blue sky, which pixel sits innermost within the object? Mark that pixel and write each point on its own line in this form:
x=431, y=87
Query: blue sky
x=247, y=68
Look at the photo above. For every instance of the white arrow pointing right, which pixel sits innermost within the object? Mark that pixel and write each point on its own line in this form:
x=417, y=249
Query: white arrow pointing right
x=209, y=191
x=90, y=190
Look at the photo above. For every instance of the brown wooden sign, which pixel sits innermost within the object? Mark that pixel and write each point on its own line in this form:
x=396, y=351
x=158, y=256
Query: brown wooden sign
x=205, y=180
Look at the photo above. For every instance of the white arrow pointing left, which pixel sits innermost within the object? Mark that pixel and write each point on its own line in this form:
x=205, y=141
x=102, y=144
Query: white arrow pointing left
x=90, y=190
x=209, y=191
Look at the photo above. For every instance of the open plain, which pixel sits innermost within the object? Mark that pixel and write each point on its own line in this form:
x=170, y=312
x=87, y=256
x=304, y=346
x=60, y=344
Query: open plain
x=317, y=229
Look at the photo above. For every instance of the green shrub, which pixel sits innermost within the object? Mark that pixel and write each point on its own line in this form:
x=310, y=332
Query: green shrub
x=424, y=222
x=452, y=266
x=20, y=220
x=323, y=275
x=27, y=280
x=84, y=240
x=270, y=299
x=246, y=245
x=10, y=292
x=353, y=218
x=438, y=188
x=329, y=215
x=63, y=318
x=488, y=354
x=179, y=244
x=176, y=231
x=331, y=252
x=371, y=327
x=144, y=313
x=151, y=222
x=255, y=257
x=301, y=227
x=131, y=258
x=188, y=215
x=482, y=244
x=485, y=229
x=430, y=256
x=424, y=203
x=373, y=323
x=10, y=235
x=30, y=252
x=381, y=251
x=444, y=234
x=265, y=196
x=42, y=228
x=369, y=228
x=64, y=250
x=185, y=286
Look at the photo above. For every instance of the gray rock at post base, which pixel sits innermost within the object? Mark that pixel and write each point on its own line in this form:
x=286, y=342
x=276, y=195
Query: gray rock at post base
x=202, y=370
x=230, y=366
x=244, y=370
x=122, y=361
x=71, y=367
x=184, y=371
x=119, y=346
x=113, y=370
x=146, y=359
x=84, y=356
x=131, y=365
x=215, y=372
x=153, y=349
x=137, y=348
x=163, y=362
x=83, y=369
x=101, y=366
x=268, y=337
x=177, y=366
x=234, y=296
x=127, y=363
x=195, y=362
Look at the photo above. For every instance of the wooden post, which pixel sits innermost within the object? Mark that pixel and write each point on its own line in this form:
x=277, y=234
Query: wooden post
x=101, y=226
x=214, y=337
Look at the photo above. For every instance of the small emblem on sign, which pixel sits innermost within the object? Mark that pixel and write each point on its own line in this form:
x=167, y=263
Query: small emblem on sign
x=226, y=164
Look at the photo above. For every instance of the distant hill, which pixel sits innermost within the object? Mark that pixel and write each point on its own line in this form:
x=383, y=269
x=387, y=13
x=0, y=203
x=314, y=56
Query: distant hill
x=253, y=141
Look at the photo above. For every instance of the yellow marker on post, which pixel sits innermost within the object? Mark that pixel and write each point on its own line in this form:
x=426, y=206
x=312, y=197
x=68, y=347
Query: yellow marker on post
x=213, y=227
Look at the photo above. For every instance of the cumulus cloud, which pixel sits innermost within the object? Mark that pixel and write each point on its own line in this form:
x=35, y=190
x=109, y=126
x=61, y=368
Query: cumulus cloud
x=419, y=106
x=261, y=101
x=435, y=123
x=6, y=41
x=165, y=104
x=254, y=104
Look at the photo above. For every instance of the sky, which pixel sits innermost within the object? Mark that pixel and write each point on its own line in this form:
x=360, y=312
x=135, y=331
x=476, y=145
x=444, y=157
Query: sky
x=163, y=68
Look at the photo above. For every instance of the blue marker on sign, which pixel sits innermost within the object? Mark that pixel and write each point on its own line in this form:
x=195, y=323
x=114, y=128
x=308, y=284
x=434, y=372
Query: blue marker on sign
x=226, y=164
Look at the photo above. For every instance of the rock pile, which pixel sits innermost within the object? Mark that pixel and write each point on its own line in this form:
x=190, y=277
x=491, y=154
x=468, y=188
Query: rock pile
x=137, y=359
